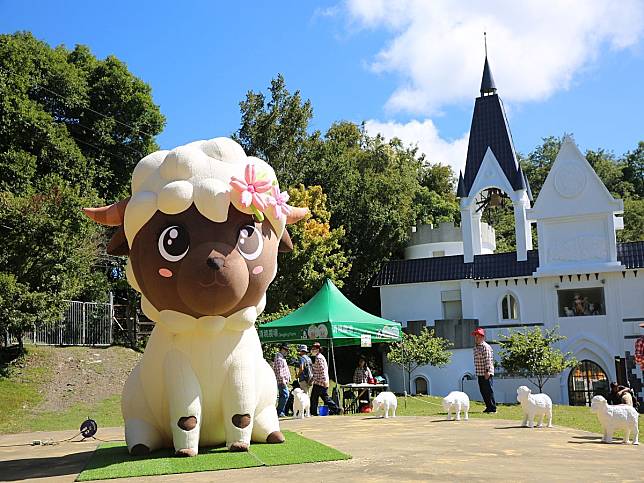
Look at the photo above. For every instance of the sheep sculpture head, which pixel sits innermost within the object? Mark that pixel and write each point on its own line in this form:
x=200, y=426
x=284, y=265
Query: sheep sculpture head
x=202, y=230
x=597, y=403
x=523, y=392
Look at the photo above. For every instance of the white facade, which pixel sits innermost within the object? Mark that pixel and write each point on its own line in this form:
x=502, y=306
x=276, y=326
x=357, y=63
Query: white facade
x=579, y=284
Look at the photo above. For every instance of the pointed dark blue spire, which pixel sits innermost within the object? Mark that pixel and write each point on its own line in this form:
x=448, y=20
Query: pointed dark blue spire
x=487, y=82
x=460, y=190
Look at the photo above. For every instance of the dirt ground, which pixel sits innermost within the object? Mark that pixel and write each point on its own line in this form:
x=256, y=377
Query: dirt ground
x=412, y=448
x=83, y=374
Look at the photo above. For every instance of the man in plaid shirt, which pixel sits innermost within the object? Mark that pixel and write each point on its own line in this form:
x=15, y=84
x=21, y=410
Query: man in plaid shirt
x=283, y=376
x=321, y=383
x=484, y=366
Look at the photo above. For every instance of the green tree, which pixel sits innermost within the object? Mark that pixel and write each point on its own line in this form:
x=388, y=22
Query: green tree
x=22, y=309
x=317, y=253
x=275, y=130
x=372, y=188
x=634, y=170
x=420, y=350
x=436, y=198
x=531, y=354
x=67, y=112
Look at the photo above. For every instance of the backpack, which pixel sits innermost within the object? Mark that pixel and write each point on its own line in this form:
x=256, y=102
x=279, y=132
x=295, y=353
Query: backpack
x=307, y=372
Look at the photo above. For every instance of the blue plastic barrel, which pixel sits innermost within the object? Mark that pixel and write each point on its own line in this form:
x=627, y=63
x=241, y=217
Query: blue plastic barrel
x=323, y=410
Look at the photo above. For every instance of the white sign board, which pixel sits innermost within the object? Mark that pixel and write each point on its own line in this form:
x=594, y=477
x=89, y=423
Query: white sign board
x=365, y=340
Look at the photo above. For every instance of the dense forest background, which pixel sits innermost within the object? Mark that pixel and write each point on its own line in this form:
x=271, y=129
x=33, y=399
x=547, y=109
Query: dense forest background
x=72, y=128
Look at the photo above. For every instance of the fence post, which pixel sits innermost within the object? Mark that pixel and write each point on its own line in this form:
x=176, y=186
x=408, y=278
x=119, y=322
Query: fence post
x=111, y=337
x=84, y=323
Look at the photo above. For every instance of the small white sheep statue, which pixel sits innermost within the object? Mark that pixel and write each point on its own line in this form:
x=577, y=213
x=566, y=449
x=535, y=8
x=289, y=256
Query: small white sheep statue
x=613, y=418
x=384, y=402
x=301, y=404
x=456, y=401
x=534, y=406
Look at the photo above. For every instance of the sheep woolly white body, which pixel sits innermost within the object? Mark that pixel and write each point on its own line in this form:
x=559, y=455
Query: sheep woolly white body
x=209, y=367
x=301, y=404
x=614, y=418
x=384, y=402
x=534, y=406
x=456, y=401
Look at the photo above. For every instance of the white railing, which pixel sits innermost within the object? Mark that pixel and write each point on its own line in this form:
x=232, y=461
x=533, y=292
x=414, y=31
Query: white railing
x=82, y=323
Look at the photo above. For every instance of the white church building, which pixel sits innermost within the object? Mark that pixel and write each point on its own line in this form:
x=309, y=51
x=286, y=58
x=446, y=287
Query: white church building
x=580, y=279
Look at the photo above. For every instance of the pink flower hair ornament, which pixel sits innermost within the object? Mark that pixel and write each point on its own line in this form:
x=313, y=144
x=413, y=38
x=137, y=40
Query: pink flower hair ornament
x=251, y=189
x=278, y=202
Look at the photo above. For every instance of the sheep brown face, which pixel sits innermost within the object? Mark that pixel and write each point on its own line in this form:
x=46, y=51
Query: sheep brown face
x=190, y=264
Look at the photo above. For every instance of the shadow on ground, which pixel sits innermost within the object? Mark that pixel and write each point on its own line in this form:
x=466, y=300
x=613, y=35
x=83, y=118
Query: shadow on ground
x=20, y=469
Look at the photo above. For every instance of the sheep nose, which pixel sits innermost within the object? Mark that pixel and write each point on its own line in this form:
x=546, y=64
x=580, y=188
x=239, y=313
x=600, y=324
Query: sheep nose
x=216, y=263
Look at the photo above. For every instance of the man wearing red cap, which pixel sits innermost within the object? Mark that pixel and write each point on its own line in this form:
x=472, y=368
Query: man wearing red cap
x=484, y=365
x=639, y=350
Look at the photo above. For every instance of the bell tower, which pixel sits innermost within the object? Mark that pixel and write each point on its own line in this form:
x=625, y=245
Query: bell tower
x=492, y=174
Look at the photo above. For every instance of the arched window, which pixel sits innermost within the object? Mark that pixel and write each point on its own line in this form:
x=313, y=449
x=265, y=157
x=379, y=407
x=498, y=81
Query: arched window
x=509, y=307
x=585, y=381
x=421, y=385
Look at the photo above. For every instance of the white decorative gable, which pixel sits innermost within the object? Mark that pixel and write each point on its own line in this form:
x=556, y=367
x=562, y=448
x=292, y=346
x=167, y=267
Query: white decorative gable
x=576, y=217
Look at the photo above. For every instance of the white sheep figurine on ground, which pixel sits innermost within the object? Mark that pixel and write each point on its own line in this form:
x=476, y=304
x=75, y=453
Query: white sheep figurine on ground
x=384, y=402
x=613, y=418
x=534, y=406
x=456, y=401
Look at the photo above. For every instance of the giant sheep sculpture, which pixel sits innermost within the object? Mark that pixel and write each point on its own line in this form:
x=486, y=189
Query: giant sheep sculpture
x=202, y=230
x=534, y=406
x=614, y=418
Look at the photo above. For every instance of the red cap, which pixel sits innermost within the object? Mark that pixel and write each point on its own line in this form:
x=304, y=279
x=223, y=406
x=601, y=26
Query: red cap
x=479, y=331
x=316, y=345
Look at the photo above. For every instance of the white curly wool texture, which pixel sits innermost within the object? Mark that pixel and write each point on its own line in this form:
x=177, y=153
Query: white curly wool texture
x=534, y=406
x=615, y=418
x=457, y=401
x=199, y=173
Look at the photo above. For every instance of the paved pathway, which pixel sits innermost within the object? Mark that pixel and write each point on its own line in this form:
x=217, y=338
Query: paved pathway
x=400, y=449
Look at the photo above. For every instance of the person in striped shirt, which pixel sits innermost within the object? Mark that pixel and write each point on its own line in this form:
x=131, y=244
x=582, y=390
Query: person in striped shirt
x=321, y=382
x=484, y=366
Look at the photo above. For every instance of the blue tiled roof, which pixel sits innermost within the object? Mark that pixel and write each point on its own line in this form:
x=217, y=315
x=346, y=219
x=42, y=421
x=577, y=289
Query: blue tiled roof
x=484, y=267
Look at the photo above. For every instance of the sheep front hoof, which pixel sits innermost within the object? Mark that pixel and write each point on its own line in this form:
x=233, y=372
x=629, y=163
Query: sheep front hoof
x=140, y=450
x=238, y=447
x=185, y=452
x=276, y=437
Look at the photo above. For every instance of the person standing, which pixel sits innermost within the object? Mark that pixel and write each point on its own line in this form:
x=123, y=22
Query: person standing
x=321, y=382
x=283, y=376
x=305, y=369
x=484, y=366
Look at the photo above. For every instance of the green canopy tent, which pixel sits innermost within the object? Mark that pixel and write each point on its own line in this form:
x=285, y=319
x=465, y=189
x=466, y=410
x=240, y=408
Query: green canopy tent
x=329, y=315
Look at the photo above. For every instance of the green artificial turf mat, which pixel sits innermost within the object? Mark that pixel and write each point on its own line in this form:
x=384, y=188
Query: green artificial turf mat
x=111, y=460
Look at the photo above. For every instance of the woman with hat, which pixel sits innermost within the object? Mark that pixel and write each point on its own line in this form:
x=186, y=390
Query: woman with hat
x=484, y=366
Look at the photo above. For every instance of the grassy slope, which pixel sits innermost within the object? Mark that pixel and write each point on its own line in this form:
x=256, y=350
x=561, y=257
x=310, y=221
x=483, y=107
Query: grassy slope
x=20, y=397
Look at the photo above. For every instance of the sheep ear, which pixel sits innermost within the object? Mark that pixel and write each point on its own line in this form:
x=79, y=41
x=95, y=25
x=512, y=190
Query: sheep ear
x=296, y=214
x=111, y=215
x=286, y=245
x=118, y=244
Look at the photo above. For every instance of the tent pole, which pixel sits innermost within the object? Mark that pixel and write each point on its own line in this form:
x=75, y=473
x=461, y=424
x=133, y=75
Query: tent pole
x=335, y=374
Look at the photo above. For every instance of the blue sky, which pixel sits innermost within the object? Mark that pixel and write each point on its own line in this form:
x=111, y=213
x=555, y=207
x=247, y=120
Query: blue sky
x=409, y=68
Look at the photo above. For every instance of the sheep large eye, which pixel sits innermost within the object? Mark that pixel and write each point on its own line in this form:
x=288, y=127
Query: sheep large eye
x=250, y=242
x=174, y=243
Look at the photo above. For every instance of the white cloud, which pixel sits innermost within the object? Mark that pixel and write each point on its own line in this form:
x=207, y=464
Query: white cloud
x=536, y=46
x=425, y=136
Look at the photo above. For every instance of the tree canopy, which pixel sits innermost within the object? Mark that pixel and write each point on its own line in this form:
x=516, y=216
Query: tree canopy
x=420, y=350
x=532, y=354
